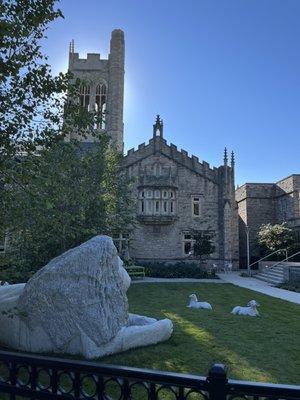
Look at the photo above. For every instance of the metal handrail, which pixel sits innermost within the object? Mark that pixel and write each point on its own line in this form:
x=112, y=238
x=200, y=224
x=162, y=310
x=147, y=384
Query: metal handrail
x=285, y=259
x=276, y=251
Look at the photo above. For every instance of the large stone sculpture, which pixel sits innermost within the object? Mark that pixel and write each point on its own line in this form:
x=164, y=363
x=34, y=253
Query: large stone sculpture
x=77, y=304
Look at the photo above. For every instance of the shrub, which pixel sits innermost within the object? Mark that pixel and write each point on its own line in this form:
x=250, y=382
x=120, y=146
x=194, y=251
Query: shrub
x=13, y=274
x=244, y=274
x=177, y=270
x=292, y=286
x=275, y=237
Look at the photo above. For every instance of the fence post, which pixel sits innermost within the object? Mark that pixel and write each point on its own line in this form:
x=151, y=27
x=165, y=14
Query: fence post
x=217, y=380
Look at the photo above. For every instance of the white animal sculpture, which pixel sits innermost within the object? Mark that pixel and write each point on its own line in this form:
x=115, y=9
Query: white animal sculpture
x=194, y=303
x=228, y=267
x=250, y=310
x=77, y=304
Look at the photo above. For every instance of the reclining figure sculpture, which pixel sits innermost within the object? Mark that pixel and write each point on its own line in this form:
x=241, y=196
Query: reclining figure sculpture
x=77, y=304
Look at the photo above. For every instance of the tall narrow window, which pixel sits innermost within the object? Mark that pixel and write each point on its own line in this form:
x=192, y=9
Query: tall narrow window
x=172, y=207
x=149, y=207
x=121, y=241
x=165, y=207
x=187, y=244
x=84, y=96
x=157, y=207
x=196, y=206
x=100, y=105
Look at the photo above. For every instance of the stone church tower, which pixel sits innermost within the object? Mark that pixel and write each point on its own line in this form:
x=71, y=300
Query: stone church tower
x=102, y=90
x=175, y=193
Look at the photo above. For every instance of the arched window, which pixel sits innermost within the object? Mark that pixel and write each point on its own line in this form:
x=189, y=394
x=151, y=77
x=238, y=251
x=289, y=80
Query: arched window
x=84, y=97
x=100, y=105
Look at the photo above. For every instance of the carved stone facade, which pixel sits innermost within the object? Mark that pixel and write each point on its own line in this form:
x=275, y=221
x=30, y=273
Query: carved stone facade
x=262, y=203
x=177, y=194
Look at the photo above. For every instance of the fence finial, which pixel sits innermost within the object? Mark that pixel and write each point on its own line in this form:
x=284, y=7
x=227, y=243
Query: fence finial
x=217, y=381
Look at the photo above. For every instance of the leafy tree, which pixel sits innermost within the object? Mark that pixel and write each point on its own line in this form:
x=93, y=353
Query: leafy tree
x=275, y=237
x=35, y=107
x=31, y=99
x=65, y=197
x=203, y=245
x=53, y=195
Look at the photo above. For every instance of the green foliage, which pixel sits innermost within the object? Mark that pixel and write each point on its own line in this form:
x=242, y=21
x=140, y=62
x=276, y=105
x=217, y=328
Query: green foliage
x=12, y=273
x=54, y=194
x=275, y=237
x=31, y=98
x=60, y=197
x=292, y=286
x=177, y=270
x=36, y=108
x=244, y=275
x=203, y=245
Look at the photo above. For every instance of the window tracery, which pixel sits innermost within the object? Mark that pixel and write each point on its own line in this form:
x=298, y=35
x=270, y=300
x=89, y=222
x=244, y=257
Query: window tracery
x=84, y=96
x=100, y=105
x=157, y=201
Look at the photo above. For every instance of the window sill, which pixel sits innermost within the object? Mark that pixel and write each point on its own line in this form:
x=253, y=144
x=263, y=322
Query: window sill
x=157, y=219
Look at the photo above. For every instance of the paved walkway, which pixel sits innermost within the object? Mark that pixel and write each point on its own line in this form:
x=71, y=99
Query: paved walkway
x=260, y=286
x=176, y=280
x=235, y=279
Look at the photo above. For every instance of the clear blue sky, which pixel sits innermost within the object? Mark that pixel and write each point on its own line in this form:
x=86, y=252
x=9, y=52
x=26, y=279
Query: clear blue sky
x=220, y=73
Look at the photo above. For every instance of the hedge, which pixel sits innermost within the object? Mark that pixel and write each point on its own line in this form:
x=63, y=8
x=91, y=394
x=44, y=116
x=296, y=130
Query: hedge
x=177, y=270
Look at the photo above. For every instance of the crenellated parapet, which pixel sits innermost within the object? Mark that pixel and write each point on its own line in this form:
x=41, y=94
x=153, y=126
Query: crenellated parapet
x=92, y=62
x=181, y=157
x=102, y=87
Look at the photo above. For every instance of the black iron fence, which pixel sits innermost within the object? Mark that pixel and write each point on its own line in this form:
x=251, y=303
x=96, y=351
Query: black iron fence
x=39, y=377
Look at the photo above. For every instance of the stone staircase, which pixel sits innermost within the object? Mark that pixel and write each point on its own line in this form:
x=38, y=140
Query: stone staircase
x=272, y=275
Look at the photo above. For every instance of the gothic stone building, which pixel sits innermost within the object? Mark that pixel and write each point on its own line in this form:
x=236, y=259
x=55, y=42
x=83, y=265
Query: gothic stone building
x=262, y=203
x=103, y=88
x=175, y=193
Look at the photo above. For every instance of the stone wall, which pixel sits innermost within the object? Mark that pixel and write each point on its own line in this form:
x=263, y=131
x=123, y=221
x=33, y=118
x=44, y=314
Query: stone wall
x=94, y=70
x=255, y=207
x=171, y=151
x=288, y=201
x=261, y=203
x=189, y=178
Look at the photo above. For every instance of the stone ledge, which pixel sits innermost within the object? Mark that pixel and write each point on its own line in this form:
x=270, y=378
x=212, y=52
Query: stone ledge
x=157, y=219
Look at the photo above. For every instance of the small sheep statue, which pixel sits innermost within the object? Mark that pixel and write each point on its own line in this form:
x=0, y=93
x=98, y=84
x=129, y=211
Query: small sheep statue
x=228, y=267
x=194, y=303
x=249, y=310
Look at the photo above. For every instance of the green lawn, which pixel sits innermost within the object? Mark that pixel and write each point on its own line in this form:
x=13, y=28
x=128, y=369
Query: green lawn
x=264, y=349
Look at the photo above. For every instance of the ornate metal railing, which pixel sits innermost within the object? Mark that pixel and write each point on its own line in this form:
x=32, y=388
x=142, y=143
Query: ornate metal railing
x=39, y=377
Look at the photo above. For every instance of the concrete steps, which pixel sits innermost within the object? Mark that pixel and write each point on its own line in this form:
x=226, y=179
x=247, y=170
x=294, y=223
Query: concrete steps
x=271, y=275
